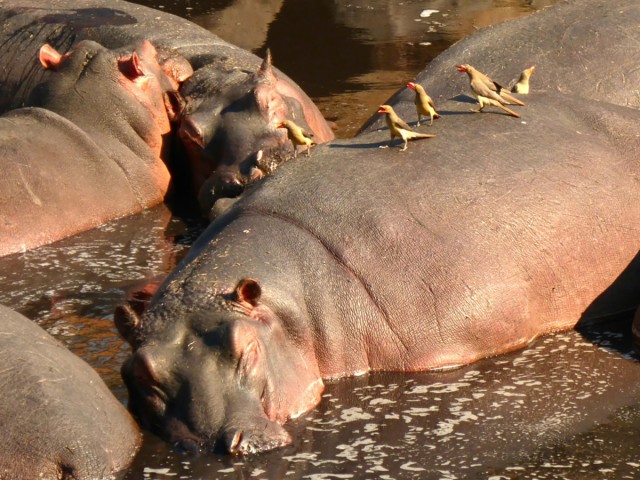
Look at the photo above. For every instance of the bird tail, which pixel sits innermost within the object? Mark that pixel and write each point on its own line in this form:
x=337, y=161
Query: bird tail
x=411, y=135
x=511, y=99
x=436, y=115
x=509, y=111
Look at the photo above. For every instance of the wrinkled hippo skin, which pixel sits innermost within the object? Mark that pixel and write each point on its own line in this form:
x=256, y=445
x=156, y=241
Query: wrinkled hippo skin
x=89, y=148
x=59, y=420
x=233, y=104
x=467, y=245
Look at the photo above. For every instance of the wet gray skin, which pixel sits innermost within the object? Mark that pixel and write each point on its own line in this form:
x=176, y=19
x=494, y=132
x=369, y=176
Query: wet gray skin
x=563, y=408
x=556, y=430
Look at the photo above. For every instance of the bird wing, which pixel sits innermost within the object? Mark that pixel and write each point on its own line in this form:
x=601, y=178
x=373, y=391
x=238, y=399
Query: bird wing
x=402, y=124
x=481, y=88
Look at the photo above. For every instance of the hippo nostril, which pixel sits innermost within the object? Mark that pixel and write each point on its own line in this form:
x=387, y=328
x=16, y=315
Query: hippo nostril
x=230, y=186
x=145, y=373
x=255, y=174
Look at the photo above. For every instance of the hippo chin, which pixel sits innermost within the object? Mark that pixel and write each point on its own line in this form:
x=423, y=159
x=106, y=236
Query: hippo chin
x=365, y=259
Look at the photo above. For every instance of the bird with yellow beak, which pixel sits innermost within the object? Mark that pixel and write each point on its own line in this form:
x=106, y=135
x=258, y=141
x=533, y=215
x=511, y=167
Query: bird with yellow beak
x=298, y=136
x=522, y=86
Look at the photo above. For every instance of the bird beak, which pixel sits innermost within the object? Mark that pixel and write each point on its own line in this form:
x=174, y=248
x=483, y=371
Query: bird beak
x=280, y=125
x=461, y=68
x=382, y=109
x=411, y=85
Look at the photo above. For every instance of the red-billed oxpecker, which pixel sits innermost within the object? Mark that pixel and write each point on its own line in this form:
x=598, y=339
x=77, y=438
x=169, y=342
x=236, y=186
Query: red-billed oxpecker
x=424, y=103
x=298, y=136
x=489, y=92
x=522, y=86
x=398, y=127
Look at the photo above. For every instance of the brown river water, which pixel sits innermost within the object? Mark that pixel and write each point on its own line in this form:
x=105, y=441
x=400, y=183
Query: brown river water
x=566, y=407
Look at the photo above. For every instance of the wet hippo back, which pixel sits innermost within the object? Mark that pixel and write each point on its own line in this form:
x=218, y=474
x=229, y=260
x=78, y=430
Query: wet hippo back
x=59, y=419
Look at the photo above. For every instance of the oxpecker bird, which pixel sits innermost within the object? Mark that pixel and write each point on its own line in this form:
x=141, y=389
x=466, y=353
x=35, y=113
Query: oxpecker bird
x=488, y=92
x=522, y=86
x=398, y=127
x=424, y=103
x=298, y=136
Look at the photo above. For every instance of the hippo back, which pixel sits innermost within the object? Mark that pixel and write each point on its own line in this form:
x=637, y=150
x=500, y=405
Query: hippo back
x=59, y=419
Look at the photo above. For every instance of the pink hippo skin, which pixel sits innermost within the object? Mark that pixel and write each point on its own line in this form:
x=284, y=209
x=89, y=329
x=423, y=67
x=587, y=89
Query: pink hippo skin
x=90, y=146
x=233, y=102
x=59, y=419
x=364, y=259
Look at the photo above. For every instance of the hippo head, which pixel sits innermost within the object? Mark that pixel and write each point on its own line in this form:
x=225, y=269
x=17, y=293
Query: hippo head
x=225, y=376
x=116, y=90
x=230, y=128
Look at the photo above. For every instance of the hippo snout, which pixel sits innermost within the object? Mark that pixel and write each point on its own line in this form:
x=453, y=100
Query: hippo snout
x=220, y=185
x=260, y=436
x=147, y=399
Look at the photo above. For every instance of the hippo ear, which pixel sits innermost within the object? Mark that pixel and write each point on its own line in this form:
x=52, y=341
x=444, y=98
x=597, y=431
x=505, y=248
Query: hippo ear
x=128, y=323
x=248, y=291
x=49, y=57
x=177, y=68
x=265, y=72
x=131, y=66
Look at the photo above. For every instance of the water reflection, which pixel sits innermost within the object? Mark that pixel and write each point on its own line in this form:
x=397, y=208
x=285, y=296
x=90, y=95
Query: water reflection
x=72, y=287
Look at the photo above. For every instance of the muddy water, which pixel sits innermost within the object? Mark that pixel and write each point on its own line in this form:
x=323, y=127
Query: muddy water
x=567, y=407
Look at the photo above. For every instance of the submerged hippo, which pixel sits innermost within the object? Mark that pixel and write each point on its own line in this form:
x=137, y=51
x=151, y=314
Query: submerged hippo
x=235, y=100
x=59, y=420
x=89, y=148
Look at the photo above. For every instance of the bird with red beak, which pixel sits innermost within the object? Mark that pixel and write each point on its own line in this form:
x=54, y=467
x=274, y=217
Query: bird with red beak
x=398, y=127
x=424, y=103
x=489, y=92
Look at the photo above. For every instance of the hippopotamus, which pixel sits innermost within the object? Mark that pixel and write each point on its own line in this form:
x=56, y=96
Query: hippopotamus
x=234, y=100
x=363, y=259
x=59, y=419
x=89, y=148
